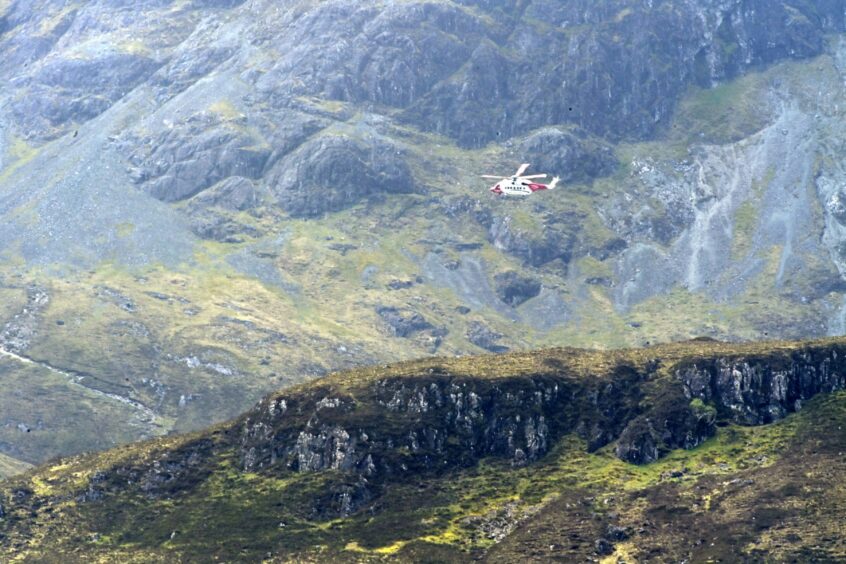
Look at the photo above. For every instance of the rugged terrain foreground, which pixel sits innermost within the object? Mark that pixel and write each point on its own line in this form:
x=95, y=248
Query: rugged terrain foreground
x=695, y=451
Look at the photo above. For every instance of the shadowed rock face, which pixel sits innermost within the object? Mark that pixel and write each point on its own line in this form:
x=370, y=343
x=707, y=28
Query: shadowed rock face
x=669, y=425
x=514, y=289
x=66, y=92
x=748, y=391
x=554, y=241
x=459, y=419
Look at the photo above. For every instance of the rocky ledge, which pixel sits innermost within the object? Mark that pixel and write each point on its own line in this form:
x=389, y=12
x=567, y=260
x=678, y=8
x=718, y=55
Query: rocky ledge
x=438, y=418
x=372, y=427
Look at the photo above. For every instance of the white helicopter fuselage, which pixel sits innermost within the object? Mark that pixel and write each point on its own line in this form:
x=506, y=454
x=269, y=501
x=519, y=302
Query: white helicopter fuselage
x=516, y=186
x=520, y=184
x=513, y=187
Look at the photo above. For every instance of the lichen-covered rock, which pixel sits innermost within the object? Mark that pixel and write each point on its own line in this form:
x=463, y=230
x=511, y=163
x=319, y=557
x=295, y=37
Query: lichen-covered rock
x=333, y=172
x=324, y=449
x=403, y=323
x=197, y=154
x=483, y=336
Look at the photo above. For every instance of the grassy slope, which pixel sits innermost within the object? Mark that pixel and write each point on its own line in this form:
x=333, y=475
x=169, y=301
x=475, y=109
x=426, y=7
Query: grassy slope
x=9, y=466
x=772, y=490
x=45, y=416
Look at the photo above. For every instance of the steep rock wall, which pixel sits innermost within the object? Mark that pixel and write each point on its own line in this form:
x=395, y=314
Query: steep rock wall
x=413, y=425
x=760, y=391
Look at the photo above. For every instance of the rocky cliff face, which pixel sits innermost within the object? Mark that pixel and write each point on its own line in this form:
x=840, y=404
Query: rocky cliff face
x=752, y=392
x=747, y=391
x=410, y=426
x=699, y=43
x=437, y=421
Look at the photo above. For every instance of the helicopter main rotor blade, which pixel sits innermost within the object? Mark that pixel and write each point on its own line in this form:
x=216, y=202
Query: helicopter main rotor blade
x=522, y=169
x=532, y=177
x=489, y=176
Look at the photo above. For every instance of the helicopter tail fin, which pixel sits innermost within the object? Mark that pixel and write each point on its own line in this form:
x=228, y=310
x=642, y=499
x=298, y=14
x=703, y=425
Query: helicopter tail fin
x=553, y=183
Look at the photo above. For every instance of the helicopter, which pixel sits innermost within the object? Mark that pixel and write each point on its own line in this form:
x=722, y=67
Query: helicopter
x=519, y=185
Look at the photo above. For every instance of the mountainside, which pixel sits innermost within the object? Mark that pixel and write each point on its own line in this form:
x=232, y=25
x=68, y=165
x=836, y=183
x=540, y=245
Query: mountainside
x=202, y=201
x=523, y=456
x=9, y=466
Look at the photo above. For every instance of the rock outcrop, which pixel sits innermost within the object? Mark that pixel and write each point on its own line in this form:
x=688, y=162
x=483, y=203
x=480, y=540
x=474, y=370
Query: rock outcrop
x=483, y=336
x=514, y=288
x=570, y=155
x=672, y=423
x=196, y=155
x=743, y=390
x=408, y=324
x=402, y=323
x=440, y=420
x=333, y=172
x=552, y=240
x=411, y=426
x=760, y=391
x=64, y=92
